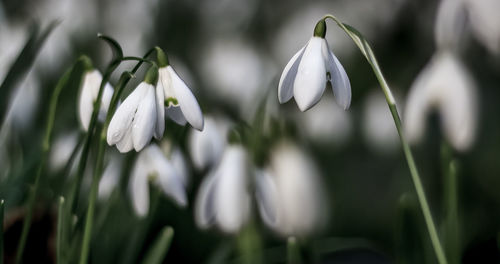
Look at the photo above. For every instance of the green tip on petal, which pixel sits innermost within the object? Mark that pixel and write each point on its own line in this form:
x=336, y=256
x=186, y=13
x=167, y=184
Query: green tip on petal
x=171, y=101
x=161, y=57
x=152, y=75
x=86, y=62
x=320, y=29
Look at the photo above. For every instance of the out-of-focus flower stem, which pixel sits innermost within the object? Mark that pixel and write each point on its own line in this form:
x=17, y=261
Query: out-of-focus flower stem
x=365, y=48
x=125, y=77
x=45, y=152
x=450, y=202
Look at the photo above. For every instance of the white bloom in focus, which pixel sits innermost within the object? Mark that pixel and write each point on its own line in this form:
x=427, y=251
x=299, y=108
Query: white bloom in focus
x=88, y=94
x=446, y=86
x=151, y=164
x=139, y=117
x=181, y=105
x=206, y=147
x=288, y=193
x=306, y=74
x=223, y=198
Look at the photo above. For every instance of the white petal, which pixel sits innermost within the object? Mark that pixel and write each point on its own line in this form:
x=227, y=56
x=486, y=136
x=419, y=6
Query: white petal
x=175, y=113
x=205, y=205
x=206, y=147
x=179, y=163
x=338, y=77
x=266, y=196
x=105, y=101
x=160, y=112
x=285, y=86
x=145, y=118
x=122, y=118
x=189, y=106
x=126, y=143
x=86, y=101
x=232, y=201
x=310, y=81
x=139, y=188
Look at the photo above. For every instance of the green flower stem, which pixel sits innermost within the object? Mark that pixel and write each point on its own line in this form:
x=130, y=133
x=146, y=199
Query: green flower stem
x=45, y=152
x=365, y=48
x=2, y=208
x=450, y=202
x=160, y=248
x=126, y=76
x=60, y=230
x=293, y=251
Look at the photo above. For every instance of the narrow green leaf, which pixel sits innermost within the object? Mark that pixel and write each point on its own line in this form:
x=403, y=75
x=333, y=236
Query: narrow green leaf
x=22, y=65
x=159, y=250
x=60, y=230
x=2, y=205
x=115, y=46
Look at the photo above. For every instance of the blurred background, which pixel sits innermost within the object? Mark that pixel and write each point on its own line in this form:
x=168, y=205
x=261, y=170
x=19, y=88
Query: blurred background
x=231, y=54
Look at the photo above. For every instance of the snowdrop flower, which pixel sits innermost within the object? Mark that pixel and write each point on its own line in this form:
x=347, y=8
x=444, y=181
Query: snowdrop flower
x=181, y=105
x=223, y=198
x=152, y=165
x=485, y=22
x=206, y=147
x=446, y=86
x=88, y=94
x=139, y=117
x=288, y=193
x=110, y=177
x=306, y=74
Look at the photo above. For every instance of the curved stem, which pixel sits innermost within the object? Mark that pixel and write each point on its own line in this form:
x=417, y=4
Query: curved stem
x=45, y=151
x=365, y=48
x=126, y=76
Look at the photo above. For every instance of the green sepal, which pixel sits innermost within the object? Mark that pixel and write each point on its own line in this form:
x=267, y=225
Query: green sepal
x=161, y=57
x=152, y=75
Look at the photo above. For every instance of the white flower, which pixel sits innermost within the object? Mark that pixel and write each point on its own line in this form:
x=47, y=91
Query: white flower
x=485, y=22
x=110, y=177
x=446, y=86
x=152, y=165
x=223, y=198
x=206, y=147
x=88, y=94
x=136, y=120
x=181, y=105
x=306, y=74
x=288, y=193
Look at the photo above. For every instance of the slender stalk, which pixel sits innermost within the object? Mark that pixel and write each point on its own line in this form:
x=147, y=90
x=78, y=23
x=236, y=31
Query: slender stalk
x=365, y=48
x=450, y=202
x=160, y=248
x=45, y=150
x=126, y=76
x=60, y=230
x=293, y=251
x=2, y=206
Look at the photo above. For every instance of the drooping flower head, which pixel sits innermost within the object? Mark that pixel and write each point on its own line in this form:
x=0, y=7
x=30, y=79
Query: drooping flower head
x=179, y=102
x=152, y=165
x=307, y=73
x=89, y=90
x=138, y=118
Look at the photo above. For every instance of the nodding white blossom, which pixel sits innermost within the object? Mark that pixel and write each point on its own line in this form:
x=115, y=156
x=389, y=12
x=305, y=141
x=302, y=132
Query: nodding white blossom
x=110, y=177
x=288, y=193
x=88, y=95
x=444, y=85
x=206, y=147
x=223, y=199
x=138, y=118
x=485, y=22
x=152, y=165
x=181, y=105
x=307, y=73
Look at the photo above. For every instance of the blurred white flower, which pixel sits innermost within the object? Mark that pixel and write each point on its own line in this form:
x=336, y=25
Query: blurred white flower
x=152, y=165
x=377, y=124
x=450, y=23
x=135, y=121
x=223, y=199
x=61, y=150
x=110, y=177
x=181, y=105
x=206, y=147
x=288, y=193
x=88, y=95
x=326, y=122
x=446, y=86
x=306, y=74
x=485, y=22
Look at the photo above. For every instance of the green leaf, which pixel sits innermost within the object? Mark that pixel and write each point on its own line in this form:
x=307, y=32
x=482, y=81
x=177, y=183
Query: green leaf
x=22, y=65
x=2, y=205
x=293, y=251
x=60, y=230
x=157, y=253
